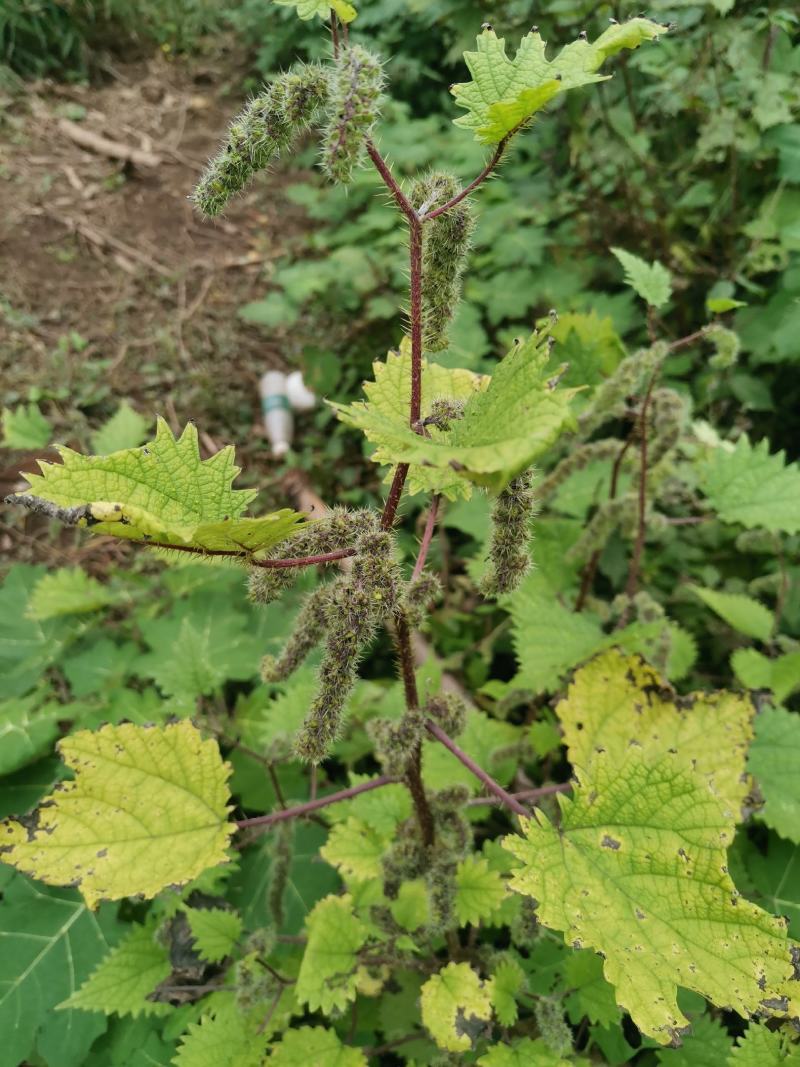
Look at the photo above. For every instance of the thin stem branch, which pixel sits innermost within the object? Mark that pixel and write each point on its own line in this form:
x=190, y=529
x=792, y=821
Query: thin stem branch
x=641, y=528
x=525, y=794
x=334, y=34
x=416, y=324
x=300, y=810
x=427, y=537
x=392, y=184
x=494, y=787
x=393, y=499
x=473, y=185
x=414, y=768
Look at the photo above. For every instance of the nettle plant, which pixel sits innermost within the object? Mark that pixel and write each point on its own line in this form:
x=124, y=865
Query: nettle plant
x=442, y=942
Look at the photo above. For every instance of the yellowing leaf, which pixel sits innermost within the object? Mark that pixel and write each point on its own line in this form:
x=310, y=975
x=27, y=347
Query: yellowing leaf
x=637, y=870
x=162, y=493
x=355, y=849
x=479, y=890
x=315, y=1045
x=504, y=94
x=307, y=9
x=215, y=932
x=455, y=1003
x=327, y=980
x=147, y=809
x=122, y=981
x=507, y=422
x=67, y=591
x=616, y=701
x=775, y=761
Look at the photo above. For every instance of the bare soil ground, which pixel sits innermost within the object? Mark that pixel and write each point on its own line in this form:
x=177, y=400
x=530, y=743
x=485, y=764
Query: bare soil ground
x=111, y=285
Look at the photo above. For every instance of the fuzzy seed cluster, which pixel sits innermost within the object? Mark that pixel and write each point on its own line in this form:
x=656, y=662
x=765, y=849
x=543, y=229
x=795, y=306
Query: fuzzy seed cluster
x=356, y=87
x=509, y=548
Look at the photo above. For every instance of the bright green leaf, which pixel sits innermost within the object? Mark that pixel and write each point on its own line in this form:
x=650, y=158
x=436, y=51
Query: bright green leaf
x=775, y=761
x=122, y=982
x=707, y=1045
x=505, y=94
x=507, y=423
x=307, y=9
x=652, y=281
x=355, y=849
x=315, y=1045
x=49, y=944
x=223, y=1038
x=591, y=995
x=162, y=493
x=67, y=591
x=756, y=671
x=25, y=427
x=215, y=932
x=125, y=429
x=524, y=1053
x=147, y=808
x=508, y=982
x=327, y=980
x=411, y=908
x=616, y=702
x=743, y=613
x=718, y=305
x=26, y=731
x=752, y=487
x=479, y=891
x=760, y=1047
x=455, y=1001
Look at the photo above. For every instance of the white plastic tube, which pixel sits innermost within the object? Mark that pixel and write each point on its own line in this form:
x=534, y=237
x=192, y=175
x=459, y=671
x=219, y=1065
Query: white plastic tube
x=280, y=396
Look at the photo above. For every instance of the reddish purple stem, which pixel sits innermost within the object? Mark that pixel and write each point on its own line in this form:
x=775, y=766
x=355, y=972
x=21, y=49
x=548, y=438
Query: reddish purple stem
x=427, y=537
x=473, y=768
x=314, y=805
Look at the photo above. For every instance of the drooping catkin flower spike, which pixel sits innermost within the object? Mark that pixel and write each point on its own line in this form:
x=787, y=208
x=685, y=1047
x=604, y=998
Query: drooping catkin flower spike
x=610, y=399
x=549, y=1014
x=267, y=125
x=308, y=631
x=447, y=240
x=509, y=548
x=358, y=604
x=578, y=459
x=339, y=529
x=281, y=862
x=356, y=86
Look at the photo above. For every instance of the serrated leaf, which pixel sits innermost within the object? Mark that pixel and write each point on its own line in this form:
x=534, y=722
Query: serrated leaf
x=743, y=613
x=652, y=281
x=479, y=890
x=774, y=759
x=307, y=9
x=756, y=671
x=163, y=493
x=125, y=429
x=508, y=420
x=355, y=849
x=27, y=731
x=455, y=1003
x=223, y=1038
x=505, y=94
x=617, y=701
x=524, y=1053
x=268, y=725
x=637, y=869
x=760, y=1047
x=147, y=809
x=25, y=427
x=67, y=591
x=537, y=614
x=125, y=978
x=215, y=932
x=707, y=1045
x=314, y=1044
x=752, y=487
x=49, y=944
x=508, y=982
x=327, y=980
x=591, y=995
x=411, y=908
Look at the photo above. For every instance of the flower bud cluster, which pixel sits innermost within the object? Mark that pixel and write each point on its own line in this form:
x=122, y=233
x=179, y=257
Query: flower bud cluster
x=447, y=240
x=549, y=1014
x=444, y=412
x=356, y=86
x=268, y=125
x=449, y=711
x=727, y=345
x=419, y=596
x=395, y=739
x=509, y=548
